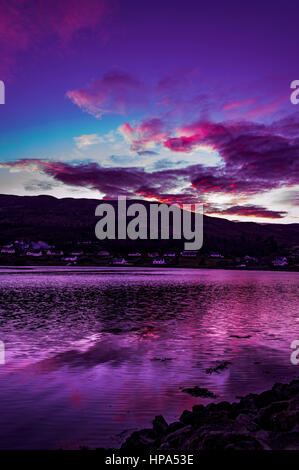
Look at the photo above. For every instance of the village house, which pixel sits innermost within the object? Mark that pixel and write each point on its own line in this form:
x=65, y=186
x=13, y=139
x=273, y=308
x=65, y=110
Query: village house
x=54, y=253
x=134, y=255
x=119, y=261
x=282, y=261
x=216, y=255
x=190, y=254
x=34, y=253
x=71, y=259
x=8, y=251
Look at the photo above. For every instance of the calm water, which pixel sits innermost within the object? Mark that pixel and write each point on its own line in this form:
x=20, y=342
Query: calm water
x=81, y=347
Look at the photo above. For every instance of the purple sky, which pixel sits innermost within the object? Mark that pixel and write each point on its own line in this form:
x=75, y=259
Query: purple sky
x=184, y=101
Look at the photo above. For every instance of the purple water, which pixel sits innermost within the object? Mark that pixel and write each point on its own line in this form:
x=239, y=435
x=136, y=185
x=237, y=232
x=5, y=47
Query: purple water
x=80, y=346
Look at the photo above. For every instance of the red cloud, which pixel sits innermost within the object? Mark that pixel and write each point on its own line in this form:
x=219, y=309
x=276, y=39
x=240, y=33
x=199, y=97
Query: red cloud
x=255, y=158
x=148, y=133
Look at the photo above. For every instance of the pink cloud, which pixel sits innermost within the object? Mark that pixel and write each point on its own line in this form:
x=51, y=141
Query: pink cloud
x=265, y=110
x=126, y=131
x=237, y=104
x=255, y=159
x=113, y=93
x=147, y=133
x=25, y=25
x=194, y=135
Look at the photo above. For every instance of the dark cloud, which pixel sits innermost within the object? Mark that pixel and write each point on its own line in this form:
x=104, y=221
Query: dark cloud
x=167, y=163
x=255, y=159
x=36, y=185
x=247, y=211
x=146, y=153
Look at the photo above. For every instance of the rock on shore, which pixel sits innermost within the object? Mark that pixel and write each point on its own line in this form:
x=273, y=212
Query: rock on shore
x=266, y=421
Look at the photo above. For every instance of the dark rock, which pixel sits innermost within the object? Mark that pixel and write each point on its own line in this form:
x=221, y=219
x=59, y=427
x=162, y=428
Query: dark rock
x=248, y=404
x=199, y=392
x=268, y=397
x=294, y=404
x=292, y=389
x=285, y=421
x=286, y=441
x=226, y=441
x=269, y=420
x=162, y=359
x=245, y=423
x=187, y=417
x=176, y=438
x=141, y=440
x=115, y=331
x=218, y=368
x=174, y=427
x=159, y=425
x=266, y=417
x=198, y=408
x=223, y=406
x=240, y=337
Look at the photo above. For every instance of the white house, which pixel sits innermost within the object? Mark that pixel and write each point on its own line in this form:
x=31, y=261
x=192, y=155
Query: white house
x=54, y=253
x=191, y=254
x=134, y=255
x=280, y=261
x=119, y=261
x=8, y=251
x=71, y=259
x=34, y=253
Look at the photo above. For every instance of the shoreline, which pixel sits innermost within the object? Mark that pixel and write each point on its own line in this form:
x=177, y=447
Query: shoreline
x=265, y=421
x=111, y=266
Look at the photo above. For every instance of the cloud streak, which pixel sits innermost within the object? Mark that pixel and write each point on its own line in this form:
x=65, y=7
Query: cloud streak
x=113, y=93
x=194, y=183
x=248, y=211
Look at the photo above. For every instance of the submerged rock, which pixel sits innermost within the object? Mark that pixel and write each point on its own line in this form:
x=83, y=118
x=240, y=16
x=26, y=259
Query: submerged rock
x=199, y=392
x=240, y=337
x=162, y=359
x=222, y=365
x=269, y=420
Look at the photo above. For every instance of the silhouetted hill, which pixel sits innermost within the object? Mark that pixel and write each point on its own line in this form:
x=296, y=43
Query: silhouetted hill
x=63, y=220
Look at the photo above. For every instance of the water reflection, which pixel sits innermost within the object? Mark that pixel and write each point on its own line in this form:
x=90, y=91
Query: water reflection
x=80, y=347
